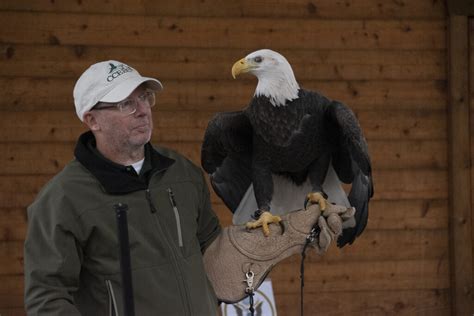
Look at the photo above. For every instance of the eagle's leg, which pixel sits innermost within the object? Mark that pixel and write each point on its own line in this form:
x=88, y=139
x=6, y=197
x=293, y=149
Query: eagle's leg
x=263, y=188
x=317, y=173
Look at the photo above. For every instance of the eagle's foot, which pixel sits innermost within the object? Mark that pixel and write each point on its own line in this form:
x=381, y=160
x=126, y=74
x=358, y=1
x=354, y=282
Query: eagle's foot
x=263, y=221
x=319, y=198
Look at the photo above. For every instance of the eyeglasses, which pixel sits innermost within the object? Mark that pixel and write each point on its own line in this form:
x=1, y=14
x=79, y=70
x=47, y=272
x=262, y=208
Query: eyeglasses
x=129, y=106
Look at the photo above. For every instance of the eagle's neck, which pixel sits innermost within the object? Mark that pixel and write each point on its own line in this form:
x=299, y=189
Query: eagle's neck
x=278, y=86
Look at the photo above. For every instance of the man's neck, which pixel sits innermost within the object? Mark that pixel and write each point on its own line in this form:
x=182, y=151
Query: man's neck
x=123, y=156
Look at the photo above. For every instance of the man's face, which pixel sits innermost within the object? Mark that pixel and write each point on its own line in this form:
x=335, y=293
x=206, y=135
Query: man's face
x=125, y=131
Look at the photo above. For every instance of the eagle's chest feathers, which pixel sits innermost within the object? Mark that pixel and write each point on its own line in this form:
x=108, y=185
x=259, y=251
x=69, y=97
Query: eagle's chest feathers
x=274, y=124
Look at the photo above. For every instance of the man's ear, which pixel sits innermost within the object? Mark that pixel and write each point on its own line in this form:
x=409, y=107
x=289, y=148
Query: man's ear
x=91, y=121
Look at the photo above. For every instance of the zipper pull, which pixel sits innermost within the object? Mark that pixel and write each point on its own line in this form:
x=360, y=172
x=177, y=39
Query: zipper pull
x=176, y=215
x=148, y=197
x=171, y=197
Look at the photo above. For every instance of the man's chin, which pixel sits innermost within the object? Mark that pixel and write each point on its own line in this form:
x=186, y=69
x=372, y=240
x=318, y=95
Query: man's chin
x=140, y=139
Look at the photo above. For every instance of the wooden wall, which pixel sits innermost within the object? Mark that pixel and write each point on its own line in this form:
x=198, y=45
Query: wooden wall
x=386, y=59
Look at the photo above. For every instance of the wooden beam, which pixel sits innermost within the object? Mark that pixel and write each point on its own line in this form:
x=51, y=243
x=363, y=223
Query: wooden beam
x=348, y=9
x=243, y=34
x=49, y=61
x=459, y=169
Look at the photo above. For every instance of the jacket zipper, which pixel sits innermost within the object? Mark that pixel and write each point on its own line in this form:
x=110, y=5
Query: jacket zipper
x=113, y=311
x=174, y=254
x=176, y=216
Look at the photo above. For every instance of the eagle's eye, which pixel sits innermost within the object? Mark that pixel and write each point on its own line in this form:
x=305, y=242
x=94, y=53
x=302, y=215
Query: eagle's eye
x=258, y=59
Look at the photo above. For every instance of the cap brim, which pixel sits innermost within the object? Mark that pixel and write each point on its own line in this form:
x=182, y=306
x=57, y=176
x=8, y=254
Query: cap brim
x=124, y=89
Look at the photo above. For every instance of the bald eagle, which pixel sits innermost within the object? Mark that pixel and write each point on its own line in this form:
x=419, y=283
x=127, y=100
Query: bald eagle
x=288, y=147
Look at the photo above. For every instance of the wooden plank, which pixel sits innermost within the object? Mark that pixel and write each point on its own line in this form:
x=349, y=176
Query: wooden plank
x=12, y=224
x=351, y=9
x=42, y=158
x=50, y=158
x=208, y=71
x=408, y=154
x=76, y=58
x=11, y=284
x=188, y=126
x=403, y=124
x=16, y=311
x=406, y=302
x=386, y=214
x=43, y=61
x=410, y=184
x=242, y=33
x=20, y=191
x=460, y=164
x=56, y=94
x=8, y=302
x=408, y=214
x=362, y=276
x=11, y=295
x=11, y=258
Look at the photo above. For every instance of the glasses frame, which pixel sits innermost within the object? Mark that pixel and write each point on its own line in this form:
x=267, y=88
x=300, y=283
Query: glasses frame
x=148, y=97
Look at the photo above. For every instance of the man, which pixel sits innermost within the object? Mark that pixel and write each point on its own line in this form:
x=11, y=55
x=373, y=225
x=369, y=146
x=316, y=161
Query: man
x=71, y=249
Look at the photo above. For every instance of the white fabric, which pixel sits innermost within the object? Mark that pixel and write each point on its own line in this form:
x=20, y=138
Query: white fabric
x=289, y=197
x=138, y=165
x=107, y=81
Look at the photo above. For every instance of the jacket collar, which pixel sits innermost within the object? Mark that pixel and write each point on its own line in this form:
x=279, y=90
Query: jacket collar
x=116, y=178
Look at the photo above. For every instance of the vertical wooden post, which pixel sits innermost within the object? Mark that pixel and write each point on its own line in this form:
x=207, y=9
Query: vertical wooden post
x=471, y=107
x=460, y=210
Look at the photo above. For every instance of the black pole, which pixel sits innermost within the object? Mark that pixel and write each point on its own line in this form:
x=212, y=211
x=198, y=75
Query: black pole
x=125, y=266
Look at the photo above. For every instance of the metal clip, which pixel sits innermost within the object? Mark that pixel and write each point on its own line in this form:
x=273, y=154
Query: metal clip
x=313, y=234
x=249, y=275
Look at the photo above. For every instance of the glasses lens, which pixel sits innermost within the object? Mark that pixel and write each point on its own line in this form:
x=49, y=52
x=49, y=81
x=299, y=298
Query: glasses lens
x=150, y=97
x=127, y=106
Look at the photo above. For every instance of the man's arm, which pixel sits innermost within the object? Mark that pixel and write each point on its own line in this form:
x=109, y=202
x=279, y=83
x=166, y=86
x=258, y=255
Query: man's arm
x=52, y=261
x=208, y=222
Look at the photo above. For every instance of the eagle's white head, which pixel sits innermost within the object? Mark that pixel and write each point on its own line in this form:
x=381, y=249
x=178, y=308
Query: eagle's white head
x=275, y=76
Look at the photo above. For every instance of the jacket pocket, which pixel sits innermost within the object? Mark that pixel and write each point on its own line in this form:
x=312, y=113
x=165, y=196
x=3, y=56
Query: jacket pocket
x=176, y=216
x=113, y=311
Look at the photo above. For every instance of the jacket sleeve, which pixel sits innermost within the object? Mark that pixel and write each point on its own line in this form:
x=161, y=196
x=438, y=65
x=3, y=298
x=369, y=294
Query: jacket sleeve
x=52, y=258
x=208, y=222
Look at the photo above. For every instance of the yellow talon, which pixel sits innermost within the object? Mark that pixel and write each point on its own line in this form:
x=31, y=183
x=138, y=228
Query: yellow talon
x=317, y=197
x=263, y=221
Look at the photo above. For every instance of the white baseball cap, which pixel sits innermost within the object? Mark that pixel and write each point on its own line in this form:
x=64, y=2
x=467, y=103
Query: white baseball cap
x=107, y=81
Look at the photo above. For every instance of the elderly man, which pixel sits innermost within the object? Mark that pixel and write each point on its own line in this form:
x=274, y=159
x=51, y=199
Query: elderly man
x=71, y=250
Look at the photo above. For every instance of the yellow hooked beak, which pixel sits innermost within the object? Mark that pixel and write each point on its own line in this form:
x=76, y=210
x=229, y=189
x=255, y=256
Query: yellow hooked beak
x=241, y=66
